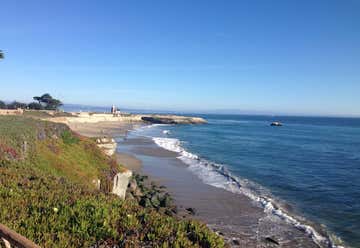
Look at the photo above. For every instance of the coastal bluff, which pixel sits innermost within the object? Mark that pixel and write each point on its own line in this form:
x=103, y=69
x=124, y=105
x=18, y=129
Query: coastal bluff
x=88, y=117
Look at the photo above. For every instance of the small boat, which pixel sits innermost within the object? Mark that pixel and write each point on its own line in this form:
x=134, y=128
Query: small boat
x=276, y=124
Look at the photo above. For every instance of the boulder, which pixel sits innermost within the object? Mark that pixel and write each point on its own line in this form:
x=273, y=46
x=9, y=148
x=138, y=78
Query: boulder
x=132, y=185
x=191, y=211
x=165, y=201
x=129, y=196
x=145, y=202
x=155, y=201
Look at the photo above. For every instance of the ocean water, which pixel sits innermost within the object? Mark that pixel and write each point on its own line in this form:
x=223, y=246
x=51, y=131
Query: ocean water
x=307, y=171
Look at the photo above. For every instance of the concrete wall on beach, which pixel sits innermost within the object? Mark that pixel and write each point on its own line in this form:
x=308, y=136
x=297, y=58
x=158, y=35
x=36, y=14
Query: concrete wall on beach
x=86, y=117
x=120, y=183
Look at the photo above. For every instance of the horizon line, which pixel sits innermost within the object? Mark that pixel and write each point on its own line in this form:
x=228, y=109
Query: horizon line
x=225, y=111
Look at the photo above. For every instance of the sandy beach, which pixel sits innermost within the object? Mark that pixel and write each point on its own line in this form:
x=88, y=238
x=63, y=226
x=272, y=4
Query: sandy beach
x=105, y=128
x=234, y=216
x=241, y=221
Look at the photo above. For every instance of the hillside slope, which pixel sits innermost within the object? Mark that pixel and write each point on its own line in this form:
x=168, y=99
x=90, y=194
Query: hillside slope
x=47, y=194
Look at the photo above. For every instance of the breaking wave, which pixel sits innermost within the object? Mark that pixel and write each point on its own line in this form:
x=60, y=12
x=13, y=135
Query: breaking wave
x=218, y=176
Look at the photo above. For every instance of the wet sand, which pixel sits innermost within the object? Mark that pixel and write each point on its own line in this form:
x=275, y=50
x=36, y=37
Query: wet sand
x=129, y=161
x=240, y=220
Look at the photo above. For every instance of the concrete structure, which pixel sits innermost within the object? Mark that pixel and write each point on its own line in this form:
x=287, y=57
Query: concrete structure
x=86, y=117
x=121, y=182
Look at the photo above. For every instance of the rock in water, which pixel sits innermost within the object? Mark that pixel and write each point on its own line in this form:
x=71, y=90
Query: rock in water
x=272, y=240
x=157, y=120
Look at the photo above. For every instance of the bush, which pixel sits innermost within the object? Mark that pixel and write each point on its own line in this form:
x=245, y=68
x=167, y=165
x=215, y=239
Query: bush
x=2, y=105
x=35, y=106
x=16, y=105
x=68, y=138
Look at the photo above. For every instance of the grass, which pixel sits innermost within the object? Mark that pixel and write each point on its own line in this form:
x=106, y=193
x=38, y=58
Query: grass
x=47, y=194
x=43, y=114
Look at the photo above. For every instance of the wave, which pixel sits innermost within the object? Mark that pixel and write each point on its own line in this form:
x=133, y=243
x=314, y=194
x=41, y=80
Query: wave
x=217, y=175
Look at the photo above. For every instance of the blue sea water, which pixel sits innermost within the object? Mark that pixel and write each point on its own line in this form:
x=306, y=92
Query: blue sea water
x=311, y=163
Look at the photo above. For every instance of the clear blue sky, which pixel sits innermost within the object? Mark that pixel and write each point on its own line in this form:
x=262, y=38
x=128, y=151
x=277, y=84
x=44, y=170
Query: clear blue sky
x=300, y=57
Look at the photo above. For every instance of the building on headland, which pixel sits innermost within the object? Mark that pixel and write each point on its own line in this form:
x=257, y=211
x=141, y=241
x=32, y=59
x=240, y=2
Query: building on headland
x=18, y=111
x=113, y=109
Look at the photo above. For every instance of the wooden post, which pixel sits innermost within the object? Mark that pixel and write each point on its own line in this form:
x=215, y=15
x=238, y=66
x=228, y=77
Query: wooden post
x=11, y=237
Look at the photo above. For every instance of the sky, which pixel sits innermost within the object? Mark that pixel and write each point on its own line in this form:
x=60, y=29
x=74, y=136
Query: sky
x=260, y=56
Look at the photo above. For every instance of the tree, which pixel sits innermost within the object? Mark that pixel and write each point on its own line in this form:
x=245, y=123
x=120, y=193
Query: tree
x=16, y=105
x=53, y=104
x=2, y=105
x=48, y=102
x=1, y=54
x=35, y=105
x=37, y=98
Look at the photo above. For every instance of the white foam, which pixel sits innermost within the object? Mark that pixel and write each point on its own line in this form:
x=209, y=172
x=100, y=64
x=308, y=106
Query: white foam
x=218, y=176
x=166, y=132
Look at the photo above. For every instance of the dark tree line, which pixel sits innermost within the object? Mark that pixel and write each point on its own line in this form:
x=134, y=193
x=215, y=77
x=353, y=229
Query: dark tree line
x=44, y=102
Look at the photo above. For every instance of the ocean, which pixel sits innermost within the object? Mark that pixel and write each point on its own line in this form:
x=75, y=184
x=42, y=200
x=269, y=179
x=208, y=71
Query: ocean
x=307, y=171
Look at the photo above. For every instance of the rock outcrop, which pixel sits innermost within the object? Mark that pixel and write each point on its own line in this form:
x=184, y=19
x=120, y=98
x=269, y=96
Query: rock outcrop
x=157, y=120
x=108, y=145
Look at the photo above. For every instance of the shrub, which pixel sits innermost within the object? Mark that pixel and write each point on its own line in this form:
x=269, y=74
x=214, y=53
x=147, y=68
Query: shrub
x=2, y=105
x=35, y=106
x=68, y=138
x=16, y=105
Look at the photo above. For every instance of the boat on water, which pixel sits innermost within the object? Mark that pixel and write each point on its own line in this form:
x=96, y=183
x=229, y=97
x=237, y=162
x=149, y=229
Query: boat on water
x=276, y=124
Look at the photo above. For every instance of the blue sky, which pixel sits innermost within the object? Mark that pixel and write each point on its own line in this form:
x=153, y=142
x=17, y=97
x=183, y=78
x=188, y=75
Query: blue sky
x=295, y=57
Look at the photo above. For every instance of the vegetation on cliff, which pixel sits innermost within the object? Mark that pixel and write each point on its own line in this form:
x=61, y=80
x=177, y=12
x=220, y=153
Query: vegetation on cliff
x=44, y=102
x=47, y=194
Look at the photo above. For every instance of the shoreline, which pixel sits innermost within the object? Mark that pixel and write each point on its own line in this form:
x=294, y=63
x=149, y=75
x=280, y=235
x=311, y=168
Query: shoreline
x=239, y=219
x=234, y=216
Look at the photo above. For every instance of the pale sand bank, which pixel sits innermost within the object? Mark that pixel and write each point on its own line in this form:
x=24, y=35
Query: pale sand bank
x=105, y=128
